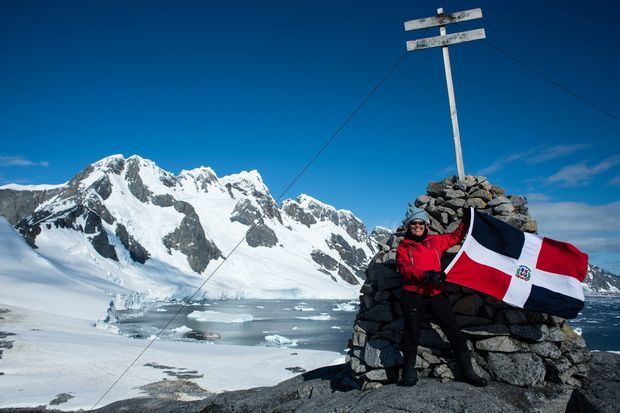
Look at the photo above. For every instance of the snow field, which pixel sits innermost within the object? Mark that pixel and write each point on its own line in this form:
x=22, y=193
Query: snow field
x=53, y=355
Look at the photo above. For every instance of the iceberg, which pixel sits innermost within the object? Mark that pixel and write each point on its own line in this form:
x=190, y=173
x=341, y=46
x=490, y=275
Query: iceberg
x=349, y=306
x=278, y=340
x=320, y=317
x=182, y=330
x=218, y=317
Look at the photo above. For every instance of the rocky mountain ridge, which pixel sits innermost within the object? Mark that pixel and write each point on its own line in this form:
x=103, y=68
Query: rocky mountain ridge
x=601, y=282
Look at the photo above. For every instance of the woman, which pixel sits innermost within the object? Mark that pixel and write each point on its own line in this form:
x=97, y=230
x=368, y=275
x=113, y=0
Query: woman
x=419, y=262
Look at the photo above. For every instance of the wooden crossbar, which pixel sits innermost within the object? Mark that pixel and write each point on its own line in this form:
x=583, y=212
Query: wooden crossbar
x=440, y=41
x=443, y=19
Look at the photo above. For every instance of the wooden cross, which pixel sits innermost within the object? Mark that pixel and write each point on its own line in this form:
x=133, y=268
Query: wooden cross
x=443, y=40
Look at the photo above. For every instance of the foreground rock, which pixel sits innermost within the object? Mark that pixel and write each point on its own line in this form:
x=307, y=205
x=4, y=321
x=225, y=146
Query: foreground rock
x=321, y=390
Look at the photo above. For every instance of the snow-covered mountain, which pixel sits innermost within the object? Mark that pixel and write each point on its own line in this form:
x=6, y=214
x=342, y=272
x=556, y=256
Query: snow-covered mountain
x=127, y=222
x=601, y=282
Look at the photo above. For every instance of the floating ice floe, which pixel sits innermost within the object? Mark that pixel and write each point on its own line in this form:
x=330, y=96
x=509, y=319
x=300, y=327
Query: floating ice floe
x=101, y=325
x=182, y=330
x=218, y=317
x=303, y=308
x=278, y=340
x=320, y=317
x=348, y=306
x=578, y=330
x=336, y=327
x=161, y=310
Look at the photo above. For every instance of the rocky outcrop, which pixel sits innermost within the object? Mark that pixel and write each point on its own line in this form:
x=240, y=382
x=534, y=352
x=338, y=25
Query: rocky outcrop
x=100, y=240
x=134, y=180
x=16, y=204
x=353, y=257
x=261, y=236
x=299, y=214
x=203, y=178
x=136, y=251
x=189, y=238
x=84, y=217
x=346, y=275
x=250, y=184
x=378, y=234
x=324, y=260
x=601, y=391
x=510, y=345
x=309, y=211
x=245, y=213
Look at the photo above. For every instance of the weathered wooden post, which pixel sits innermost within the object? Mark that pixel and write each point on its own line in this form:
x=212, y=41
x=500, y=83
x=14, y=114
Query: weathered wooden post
x=443, y=40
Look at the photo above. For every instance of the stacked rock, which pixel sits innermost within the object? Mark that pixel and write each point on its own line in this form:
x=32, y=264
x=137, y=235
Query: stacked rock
x=509, y=344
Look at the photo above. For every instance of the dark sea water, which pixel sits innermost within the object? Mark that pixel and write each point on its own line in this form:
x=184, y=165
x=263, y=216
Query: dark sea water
x=599, y=323
x=312, y=324
x=303, y=324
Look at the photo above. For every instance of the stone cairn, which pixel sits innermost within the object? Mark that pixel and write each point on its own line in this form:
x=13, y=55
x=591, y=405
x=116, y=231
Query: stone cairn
x=509, y=344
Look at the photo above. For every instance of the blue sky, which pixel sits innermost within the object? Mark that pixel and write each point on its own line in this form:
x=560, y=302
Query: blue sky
x=240, y=85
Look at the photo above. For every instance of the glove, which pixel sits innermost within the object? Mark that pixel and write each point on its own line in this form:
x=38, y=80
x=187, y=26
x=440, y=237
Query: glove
x=435, y=277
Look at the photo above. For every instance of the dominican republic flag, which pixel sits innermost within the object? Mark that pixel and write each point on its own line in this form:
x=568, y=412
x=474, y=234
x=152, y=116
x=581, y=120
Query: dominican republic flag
x=521, y=269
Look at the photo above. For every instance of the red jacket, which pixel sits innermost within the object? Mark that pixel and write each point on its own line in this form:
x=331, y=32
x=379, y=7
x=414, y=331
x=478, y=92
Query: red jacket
x=414, y=258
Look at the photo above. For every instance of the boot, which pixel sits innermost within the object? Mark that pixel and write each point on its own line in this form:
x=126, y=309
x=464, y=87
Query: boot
x=410, y=376
x=467, y=370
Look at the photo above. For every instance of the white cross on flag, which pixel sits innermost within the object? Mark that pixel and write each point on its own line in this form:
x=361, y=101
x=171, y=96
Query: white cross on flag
x=521, y=269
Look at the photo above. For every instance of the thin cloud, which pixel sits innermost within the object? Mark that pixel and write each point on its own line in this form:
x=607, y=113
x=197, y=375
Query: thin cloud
x=615, y=181
x=537, y=197
x=533, y=156
x=545, y=154
x=20, y=161
x=581, y=174
x=593, y=228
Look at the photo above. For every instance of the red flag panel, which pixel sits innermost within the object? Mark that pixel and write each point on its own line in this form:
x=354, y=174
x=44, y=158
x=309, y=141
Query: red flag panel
x=480, y=277
x=562, y=258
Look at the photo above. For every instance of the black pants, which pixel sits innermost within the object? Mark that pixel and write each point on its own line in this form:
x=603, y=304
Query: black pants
x=415, y=306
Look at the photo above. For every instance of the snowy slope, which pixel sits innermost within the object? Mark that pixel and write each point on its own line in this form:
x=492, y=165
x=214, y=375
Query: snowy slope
x=127, y=222
x=27, y=277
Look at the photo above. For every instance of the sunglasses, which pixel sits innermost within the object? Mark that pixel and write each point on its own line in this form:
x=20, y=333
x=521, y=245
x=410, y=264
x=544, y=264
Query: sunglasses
x=419, y=223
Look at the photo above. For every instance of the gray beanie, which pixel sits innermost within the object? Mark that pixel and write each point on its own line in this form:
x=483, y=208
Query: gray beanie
x=413, y=212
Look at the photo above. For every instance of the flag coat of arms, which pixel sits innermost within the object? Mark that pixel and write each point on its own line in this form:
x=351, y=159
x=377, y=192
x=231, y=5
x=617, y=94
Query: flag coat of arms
x=525, y=270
